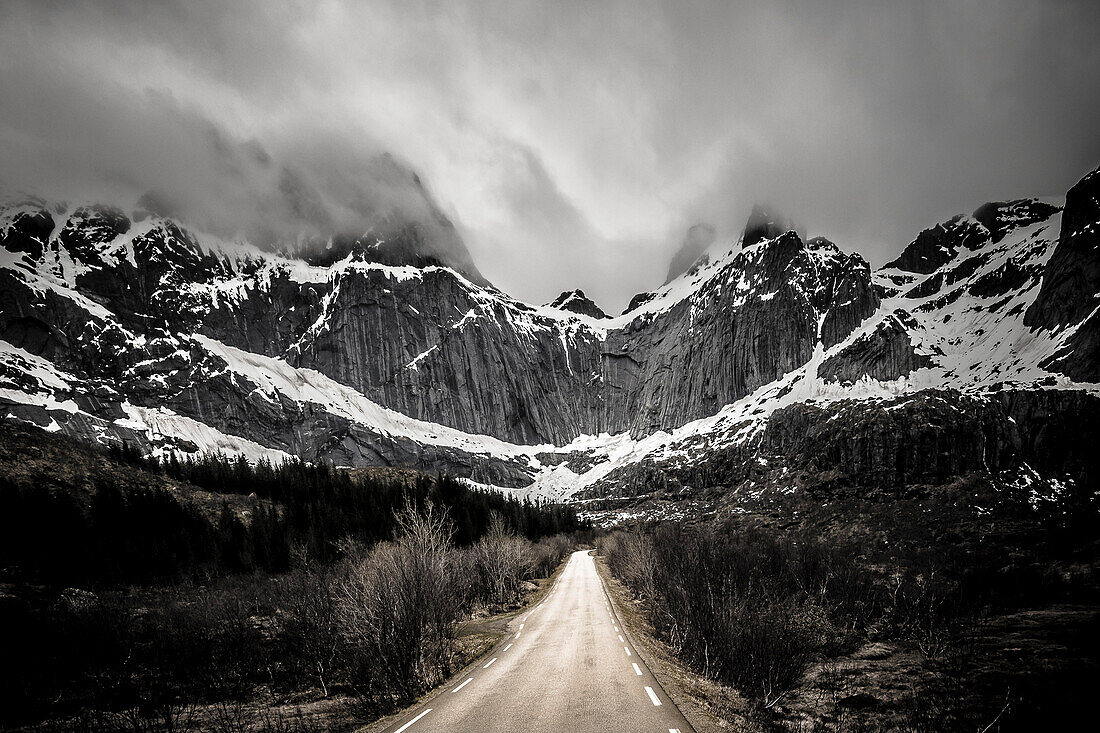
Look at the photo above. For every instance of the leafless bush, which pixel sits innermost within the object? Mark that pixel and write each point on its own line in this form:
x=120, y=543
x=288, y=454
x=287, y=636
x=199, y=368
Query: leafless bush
x=745, y=611
x=632, y=558
x=548, y=553
x=275, y=722
x=503, y=561
x=155, y=717
x=398, y=607
x=310, y=624
x=769, y=643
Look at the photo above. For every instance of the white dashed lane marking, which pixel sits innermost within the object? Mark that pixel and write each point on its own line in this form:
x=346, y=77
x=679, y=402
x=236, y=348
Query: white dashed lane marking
x=418, y=717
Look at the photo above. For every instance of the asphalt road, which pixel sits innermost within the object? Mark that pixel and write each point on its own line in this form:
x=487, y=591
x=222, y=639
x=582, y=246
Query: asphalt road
x=566, y=666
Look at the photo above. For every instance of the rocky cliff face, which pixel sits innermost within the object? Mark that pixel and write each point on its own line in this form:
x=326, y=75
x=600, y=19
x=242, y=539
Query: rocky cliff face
x=903, y=445
x=429, y=343
x=1071, y=284
x=885, y=354
x=117, y=325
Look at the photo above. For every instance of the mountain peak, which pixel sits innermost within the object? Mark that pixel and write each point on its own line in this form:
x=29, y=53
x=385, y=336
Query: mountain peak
x=696, y=240
x=1001, y=217
x=939, y=244
x=577, y=302
x=764, y=223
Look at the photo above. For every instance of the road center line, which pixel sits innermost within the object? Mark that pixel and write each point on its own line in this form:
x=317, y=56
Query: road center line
x=508, y=647
x=418, y=717
x=489, y=662
x=462, y=685
x=636, y=668
x=627, y=650
x=521, y=627
x=653, y=696
x=621, y=638
x=518, y=633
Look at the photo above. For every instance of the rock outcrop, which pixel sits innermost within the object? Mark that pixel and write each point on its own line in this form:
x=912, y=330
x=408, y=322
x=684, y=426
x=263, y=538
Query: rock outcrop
x=887, y=448
x=575, y=301
x=764, y=224
x=935, y=247
x=886, y=353
x=1071, y=283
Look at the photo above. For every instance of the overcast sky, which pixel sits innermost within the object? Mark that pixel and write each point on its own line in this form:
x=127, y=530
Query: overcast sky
x=572, y=143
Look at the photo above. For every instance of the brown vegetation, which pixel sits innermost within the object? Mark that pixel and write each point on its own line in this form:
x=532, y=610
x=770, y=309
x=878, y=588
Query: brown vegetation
x=821, y=634
x=375, y=630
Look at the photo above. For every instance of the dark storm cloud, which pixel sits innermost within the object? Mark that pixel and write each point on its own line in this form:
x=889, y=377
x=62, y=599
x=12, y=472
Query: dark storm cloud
x=572, y=142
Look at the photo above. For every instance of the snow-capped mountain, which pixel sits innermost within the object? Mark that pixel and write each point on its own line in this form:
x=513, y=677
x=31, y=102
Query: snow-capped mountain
x=769, y=359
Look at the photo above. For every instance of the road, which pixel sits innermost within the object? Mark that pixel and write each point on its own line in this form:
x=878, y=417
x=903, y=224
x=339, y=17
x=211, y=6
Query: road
x=565, y=666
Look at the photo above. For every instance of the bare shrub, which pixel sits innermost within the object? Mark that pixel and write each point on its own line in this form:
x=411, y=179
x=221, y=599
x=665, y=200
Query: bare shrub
x=398, y=609
x=548, y=553
x=632, y=558
x=768, y=644
x=746, y=610
x=277, y=722
x=503, y=562
x=310, y=624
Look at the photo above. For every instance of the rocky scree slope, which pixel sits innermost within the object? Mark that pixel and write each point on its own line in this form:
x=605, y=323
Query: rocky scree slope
x=120, y=326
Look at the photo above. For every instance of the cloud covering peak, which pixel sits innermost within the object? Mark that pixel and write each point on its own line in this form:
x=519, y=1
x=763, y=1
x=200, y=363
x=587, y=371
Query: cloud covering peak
x=570, y=143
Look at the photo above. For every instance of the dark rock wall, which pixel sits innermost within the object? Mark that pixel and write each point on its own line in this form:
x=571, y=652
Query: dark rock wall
x=885, y=448
x=886, y=354
x=1071, y=281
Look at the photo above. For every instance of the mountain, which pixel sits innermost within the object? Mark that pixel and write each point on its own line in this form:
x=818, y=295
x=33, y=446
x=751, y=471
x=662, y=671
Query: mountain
x=694, y=244
x=575, y=301
x=769, y=363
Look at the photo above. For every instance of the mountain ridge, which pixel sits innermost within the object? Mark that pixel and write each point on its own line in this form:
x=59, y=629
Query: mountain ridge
x=153, y=334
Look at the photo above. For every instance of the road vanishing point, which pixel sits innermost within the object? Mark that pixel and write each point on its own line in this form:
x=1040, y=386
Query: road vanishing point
x=567, y=665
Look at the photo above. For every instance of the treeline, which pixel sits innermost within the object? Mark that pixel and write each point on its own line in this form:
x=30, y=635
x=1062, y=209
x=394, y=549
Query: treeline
x=365, y=506
x=297, y=485
x=145, y=534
